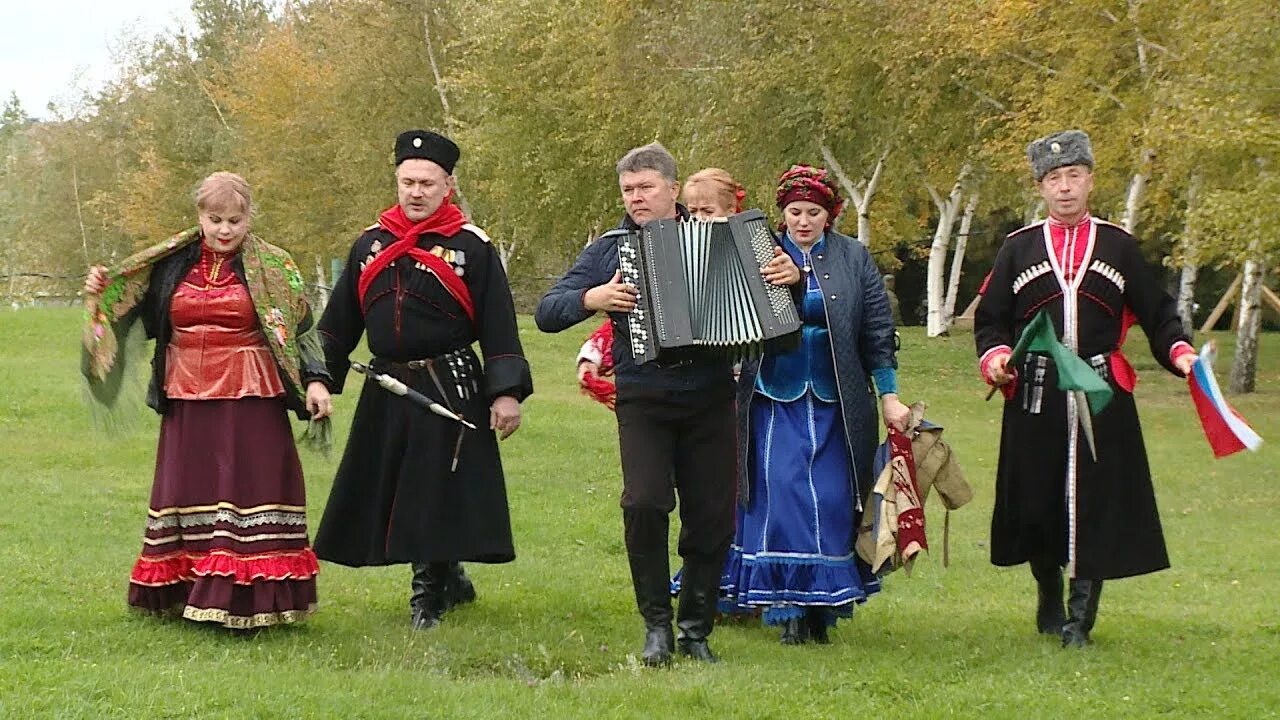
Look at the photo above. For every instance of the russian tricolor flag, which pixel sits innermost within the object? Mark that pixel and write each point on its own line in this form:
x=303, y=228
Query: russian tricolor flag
x=1226, y=431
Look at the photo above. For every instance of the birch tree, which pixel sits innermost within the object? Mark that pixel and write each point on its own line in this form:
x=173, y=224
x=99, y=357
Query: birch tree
x=860, y=194
x=1241, y=226
x=1190, y=266
x=957, y=259
x=545, y=95
x=1225, y=68
x=948, y=208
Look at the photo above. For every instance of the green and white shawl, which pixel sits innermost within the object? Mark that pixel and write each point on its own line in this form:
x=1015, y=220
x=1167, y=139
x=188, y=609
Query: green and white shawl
x=275, y=286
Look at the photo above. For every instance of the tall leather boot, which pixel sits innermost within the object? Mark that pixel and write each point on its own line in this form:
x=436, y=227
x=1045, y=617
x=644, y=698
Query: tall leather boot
x=418, y=586
x=1082, y=609
x=651, y=580
x=428, y=600
x=1050, y=613
x=816, y=618
x=699, y=590
x=795, y=631
x=459, y=589
x=1091, y=611
x=645, y=531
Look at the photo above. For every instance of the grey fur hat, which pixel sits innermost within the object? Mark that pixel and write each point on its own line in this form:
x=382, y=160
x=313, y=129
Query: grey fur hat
x=1069, y=147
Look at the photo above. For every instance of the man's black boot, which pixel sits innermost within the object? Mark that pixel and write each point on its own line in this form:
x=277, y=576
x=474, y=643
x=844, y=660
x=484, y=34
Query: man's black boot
x=418, y=585
x=1050, y=613
x=699, y=589
x=428, y=601
x=1082, y=612
x=659, y=642
x=651, y=580
x=459, y=589
x=646, y=530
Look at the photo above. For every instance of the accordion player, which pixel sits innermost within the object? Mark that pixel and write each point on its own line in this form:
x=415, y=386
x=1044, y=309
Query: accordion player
x=700, y=285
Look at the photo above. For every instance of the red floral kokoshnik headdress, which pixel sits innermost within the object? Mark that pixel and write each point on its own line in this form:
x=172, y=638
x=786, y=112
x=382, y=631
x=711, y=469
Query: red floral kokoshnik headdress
x=805, y=182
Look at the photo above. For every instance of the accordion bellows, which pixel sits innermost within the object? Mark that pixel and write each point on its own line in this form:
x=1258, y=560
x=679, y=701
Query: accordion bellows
x=700, y=285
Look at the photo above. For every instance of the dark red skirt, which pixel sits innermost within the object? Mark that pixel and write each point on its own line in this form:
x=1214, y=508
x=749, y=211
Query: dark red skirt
x=226, y=539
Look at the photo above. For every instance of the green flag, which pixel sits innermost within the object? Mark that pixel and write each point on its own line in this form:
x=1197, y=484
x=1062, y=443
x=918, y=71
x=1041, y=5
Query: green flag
x=1073, y=372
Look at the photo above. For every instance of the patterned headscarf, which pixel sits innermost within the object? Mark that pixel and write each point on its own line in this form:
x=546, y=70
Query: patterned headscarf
x=805, y=182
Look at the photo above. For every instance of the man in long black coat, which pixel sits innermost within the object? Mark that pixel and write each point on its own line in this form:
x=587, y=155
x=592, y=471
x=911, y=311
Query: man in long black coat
x=1056, y=504
x=423, y=286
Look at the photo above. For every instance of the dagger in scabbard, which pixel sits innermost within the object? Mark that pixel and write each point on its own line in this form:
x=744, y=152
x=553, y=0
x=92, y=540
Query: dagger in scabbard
x=1075, y=376
x=397, y=387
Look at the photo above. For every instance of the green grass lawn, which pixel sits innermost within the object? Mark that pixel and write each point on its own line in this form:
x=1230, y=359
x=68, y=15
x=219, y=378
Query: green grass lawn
x=554, y=634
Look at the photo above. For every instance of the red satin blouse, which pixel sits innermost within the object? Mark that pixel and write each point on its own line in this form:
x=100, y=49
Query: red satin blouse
x=217, y=351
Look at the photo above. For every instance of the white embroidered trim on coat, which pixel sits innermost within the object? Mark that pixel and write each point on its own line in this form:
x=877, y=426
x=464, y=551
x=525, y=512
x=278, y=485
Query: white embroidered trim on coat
x=1108, y=272
x=1031, y=273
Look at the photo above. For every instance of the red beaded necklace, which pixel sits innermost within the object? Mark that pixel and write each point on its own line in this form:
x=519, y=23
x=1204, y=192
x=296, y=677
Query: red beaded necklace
x=213, y=270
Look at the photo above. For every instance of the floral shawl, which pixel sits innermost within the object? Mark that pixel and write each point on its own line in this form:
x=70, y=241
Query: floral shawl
x=275, y=287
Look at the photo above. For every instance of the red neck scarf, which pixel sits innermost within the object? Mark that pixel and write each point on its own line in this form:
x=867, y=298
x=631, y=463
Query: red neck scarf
x=447, y=220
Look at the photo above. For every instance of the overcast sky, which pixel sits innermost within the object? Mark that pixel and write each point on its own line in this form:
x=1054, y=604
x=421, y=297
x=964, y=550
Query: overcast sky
x=49, y=47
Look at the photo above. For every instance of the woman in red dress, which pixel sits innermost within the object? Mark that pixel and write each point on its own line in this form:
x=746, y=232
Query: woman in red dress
x=226, y=536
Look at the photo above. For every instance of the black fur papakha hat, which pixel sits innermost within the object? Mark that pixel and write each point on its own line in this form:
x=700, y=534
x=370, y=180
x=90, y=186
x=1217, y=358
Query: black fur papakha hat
x=1069, y=147
x=427, y=145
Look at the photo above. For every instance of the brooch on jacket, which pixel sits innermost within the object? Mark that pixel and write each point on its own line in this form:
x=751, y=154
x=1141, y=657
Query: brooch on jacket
x=456, y=258
x=374, y=249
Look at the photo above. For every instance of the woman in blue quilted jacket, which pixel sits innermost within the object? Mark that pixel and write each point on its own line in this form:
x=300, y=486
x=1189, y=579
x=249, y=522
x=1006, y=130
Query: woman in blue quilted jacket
x=807, y=428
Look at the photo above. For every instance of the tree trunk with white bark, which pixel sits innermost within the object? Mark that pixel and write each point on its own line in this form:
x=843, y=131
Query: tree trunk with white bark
x=1137, y=192
x=957, y=260
x=1190, y=265
x=860, y=195
x=1244, y=368
x=506, y=250
x=84, y=237
x=1187, y=295
x=1033, y=212
x=935, y=290
x=323, y=288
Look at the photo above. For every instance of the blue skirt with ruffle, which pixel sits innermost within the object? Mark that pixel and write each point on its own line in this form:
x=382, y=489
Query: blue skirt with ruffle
x=793, y=547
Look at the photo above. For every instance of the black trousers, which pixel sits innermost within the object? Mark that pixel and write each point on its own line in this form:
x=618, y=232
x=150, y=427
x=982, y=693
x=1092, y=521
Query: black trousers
x=678, y=446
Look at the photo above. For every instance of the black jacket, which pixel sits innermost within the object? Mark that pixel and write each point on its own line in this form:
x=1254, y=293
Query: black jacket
x=562, y=308
x=154, y=313
x=408, y=315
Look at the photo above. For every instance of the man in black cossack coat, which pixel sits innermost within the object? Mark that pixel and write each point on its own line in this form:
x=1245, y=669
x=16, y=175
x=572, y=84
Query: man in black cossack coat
x=1057, y=505
x=424, y=286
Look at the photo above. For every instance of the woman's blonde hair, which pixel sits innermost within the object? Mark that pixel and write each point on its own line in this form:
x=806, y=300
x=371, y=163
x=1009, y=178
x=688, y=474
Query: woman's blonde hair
x=717, y=183
x=224, y=189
